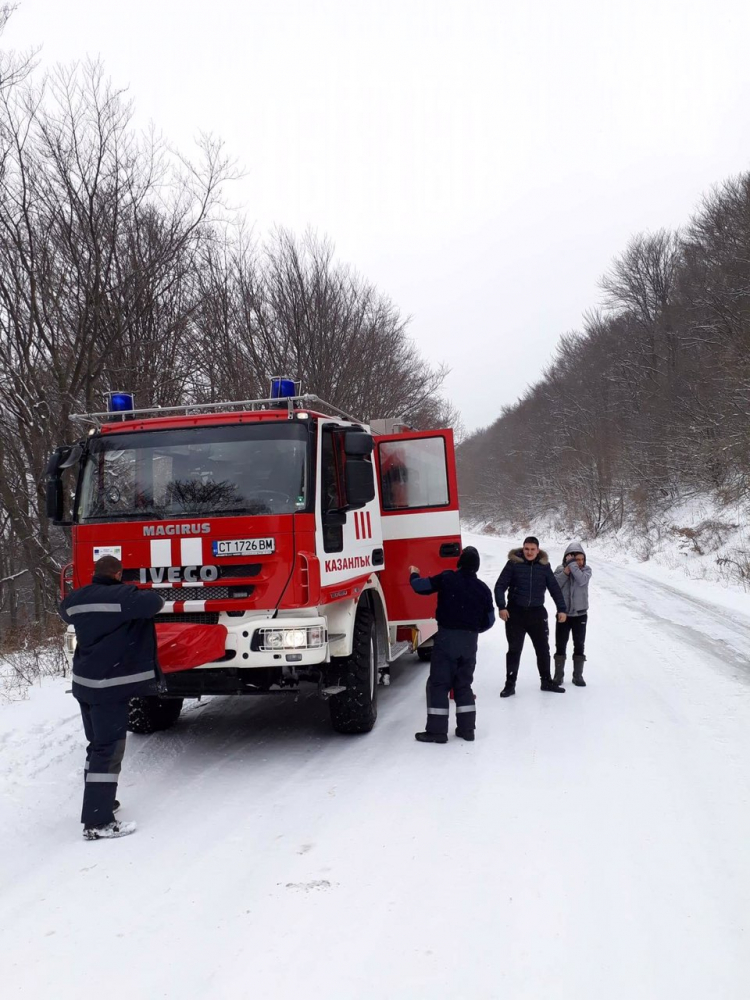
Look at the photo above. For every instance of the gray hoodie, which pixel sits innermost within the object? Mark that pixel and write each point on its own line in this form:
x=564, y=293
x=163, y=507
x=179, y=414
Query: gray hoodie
x=574, y=585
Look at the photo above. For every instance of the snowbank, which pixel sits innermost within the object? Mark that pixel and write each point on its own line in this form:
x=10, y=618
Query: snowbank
x=700, y=540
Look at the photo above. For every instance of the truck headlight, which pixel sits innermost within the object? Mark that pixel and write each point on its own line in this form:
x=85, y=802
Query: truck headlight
x=309, y=637
x=295, y=638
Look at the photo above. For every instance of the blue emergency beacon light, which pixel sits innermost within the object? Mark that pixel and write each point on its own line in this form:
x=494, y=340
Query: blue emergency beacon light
x=120, y=402
x=283, y=388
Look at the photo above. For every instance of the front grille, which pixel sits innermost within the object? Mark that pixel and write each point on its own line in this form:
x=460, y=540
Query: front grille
x=194, y=593
x=191, y=618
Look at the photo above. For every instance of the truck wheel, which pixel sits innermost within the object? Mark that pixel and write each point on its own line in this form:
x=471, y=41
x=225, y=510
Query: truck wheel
x=152, y=714
x=356, y=709
x=425, y=653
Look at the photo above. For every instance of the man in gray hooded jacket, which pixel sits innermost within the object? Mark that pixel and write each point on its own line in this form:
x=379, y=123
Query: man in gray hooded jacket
x=573, y=576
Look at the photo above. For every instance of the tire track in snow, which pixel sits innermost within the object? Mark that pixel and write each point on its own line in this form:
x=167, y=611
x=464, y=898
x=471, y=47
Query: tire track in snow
x=721, y=634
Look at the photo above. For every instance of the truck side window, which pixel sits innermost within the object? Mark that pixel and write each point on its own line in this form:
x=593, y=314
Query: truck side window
x=413, y=473
x=331, y=490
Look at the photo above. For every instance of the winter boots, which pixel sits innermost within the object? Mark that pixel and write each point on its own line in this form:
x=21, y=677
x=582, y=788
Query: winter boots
x=466, y=734
x=510, y=683
x=431, y=737
x=549, y=685
x=578, y=662
x=108, y=831
x=559, y=668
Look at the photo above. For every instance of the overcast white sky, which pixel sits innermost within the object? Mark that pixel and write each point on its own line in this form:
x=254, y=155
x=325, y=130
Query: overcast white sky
x=481, y=162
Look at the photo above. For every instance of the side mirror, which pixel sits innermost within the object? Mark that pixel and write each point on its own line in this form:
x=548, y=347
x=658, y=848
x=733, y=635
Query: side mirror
x=360, y=483
x=53, y=465
x=55, y=499
x=358, y=444
x=72, y=458
x=61, y=458
x=64, y=457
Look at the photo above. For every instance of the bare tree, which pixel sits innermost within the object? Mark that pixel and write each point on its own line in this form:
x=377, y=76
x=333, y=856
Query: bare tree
x=287, y=307
x=100, y=233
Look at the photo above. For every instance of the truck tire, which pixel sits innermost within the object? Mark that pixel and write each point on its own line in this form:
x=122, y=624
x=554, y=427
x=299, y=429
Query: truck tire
x=425, y=653
x=152, y=714
x=356, y=709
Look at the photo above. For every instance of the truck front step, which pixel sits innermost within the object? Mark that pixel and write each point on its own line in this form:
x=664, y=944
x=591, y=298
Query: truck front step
x=398, y=649
x=328, y=692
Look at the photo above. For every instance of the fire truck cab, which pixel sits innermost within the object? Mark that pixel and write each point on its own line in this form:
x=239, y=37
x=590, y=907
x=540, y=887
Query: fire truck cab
x=279, y=533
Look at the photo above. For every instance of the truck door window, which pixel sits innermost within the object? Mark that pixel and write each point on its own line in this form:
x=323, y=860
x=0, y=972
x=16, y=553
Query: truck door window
x=331, y=489
x=413, y=473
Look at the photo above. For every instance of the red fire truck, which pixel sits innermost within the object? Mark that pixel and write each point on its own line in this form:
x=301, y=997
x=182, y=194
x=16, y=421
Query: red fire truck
x=279, y=533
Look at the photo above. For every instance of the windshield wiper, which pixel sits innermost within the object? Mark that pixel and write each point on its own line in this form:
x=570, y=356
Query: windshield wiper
x=126, y=515
x=250, y=509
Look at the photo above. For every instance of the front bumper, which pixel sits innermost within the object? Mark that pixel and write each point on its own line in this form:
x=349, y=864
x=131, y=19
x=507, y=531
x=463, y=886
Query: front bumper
x=274, y=642
x=304, y=642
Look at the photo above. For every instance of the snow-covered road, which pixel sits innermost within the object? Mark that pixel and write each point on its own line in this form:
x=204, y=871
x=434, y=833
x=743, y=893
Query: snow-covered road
x=589, y=846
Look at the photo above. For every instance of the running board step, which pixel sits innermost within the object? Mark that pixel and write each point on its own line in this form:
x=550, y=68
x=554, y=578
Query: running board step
x=398, y=649
x=333, y=689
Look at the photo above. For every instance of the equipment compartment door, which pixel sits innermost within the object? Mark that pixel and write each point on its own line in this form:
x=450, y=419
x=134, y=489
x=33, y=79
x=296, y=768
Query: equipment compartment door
x=419, y=509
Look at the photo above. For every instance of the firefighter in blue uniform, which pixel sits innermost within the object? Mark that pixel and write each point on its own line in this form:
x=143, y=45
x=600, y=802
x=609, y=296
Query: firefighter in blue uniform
x=464, y=609
x=115, y=660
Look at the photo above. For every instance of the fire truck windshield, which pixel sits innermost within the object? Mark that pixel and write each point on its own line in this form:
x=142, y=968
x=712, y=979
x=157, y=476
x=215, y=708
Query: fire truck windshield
x=259, y=468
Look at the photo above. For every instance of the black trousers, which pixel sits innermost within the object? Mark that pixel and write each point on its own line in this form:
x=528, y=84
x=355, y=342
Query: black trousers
x=531, y=622
x=106, y=727
x=577, y=625
x=454, y=657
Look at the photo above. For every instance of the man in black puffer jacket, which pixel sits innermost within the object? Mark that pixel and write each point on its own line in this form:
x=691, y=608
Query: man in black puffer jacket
x=527, y=576
x=115, y=660
x=464, y=609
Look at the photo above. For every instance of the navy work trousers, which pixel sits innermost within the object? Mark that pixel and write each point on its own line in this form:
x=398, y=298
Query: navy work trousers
x=454, y=656
x=106, y=728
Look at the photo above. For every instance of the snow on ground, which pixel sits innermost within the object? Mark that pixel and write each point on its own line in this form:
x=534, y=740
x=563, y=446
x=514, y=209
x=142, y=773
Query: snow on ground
x=588, y=845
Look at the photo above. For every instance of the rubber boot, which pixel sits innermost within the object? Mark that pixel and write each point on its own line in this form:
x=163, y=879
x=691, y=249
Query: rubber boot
x=559, y=669
x=578, y=662
x=510, y=683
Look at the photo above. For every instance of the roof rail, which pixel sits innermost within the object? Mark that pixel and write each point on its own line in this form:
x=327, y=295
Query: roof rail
x=246, y=404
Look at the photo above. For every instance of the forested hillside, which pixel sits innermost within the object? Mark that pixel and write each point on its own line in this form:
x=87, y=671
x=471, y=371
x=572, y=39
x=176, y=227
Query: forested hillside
x=648, y=404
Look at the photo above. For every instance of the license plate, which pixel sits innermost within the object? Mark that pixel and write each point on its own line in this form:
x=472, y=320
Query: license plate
x=244, y=547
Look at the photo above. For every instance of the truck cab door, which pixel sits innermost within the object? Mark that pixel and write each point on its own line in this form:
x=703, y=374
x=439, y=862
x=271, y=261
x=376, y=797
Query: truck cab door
x=420, y=519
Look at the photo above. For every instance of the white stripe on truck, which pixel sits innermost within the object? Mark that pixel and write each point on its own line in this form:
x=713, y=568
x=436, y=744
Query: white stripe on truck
x=191, y=552
x=432, y=524
x=161, y=551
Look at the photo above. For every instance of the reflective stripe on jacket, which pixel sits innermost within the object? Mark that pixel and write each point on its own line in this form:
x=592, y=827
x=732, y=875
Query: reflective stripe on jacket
x=115, y=655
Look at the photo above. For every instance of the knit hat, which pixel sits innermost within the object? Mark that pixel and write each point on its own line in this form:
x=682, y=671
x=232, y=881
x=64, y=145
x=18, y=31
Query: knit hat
x=469, y=559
